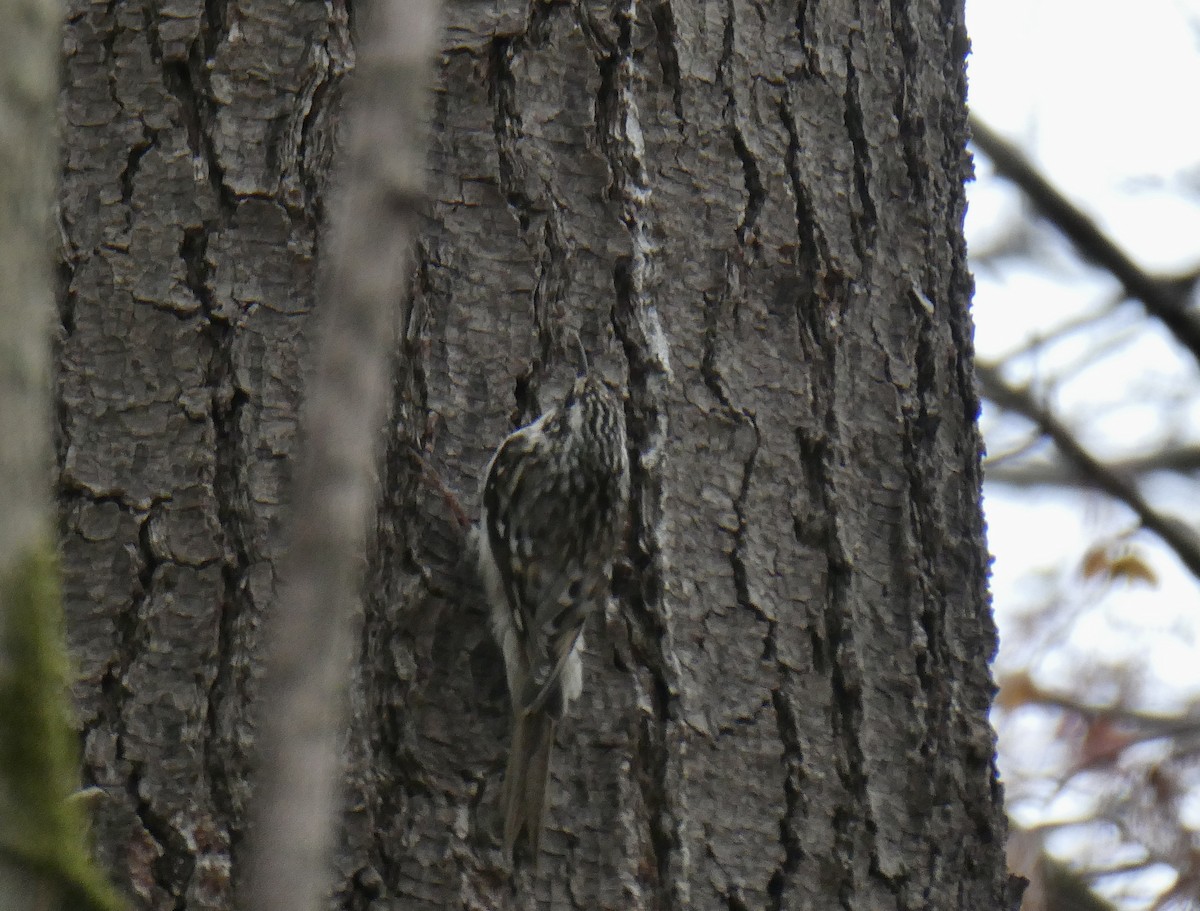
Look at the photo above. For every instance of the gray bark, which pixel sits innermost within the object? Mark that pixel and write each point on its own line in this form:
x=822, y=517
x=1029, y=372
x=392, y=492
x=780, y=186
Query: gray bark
x=197, y=137
x=753, y=214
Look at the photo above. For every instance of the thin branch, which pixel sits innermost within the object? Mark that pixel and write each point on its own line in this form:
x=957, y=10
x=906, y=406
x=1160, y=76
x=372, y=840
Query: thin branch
x=1174, y=533
x=1165, y=300
x=1052, y=885
x=1001, y=470
x=1144, y=725
x=1094, y=354
x=374, y=205
x=1132, y=866
x=1012, y=454
x=1083, y=322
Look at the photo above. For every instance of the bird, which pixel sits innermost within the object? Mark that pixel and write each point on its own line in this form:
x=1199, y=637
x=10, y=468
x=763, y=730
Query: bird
x=554, y=501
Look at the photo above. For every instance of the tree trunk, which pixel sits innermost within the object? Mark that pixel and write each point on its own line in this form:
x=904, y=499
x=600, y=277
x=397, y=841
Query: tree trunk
x=197, y=137
x=752, y=215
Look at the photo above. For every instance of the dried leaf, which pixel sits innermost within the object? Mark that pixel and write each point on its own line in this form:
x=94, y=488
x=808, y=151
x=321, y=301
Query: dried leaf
x=1132, y=568
x=1102, y=744
x=1095, y=562
x=1017, y=690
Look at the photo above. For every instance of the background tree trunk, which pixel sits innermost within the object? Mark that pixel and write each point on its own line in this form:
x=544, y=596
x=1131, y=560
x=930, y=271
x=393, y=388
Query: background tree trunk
x=751, y=213
x=196, y=137
x=44, y=860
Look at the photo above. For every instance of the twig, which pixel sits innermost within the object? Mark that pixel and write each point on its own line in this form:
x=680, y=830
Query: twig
x=1000, y=469
x=1145, y=725
x=1171, y=531
x=374, y=217
x=1083, y=322
x=1019, y=451
x=1165, y=300
x=448, y=496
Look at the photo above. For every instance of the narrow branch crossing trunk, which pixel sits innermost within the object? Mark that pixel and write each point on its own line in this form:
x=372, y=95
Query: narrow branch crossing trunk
x=372, y=233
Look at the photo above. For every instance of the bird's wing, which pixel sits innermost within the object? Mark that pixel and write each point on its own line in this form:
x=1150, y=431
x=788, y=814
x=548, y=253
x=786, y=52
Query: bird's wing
x=542, y=573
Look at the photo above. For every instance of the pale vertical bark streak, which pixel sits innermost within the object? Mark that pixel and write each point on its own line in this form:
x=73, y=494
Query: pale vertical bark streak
x=380, y=184
x=43, y=859
x=28, y=81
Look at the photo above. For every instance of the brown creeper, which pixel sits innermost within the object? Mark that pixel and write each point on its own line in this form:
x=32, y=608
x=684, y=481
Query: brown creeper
x=554, y=501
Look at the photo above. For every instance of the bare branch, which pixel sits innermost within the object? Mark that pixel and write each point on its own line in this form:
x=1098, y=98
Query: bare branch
x=1014, y=453
x=1083, y=322
x=374, y=212
x=1174, y=533
x=1165, y=300
x=1143, y=725
x=1003, y=469
x=1052, y=886
x=1132, y=866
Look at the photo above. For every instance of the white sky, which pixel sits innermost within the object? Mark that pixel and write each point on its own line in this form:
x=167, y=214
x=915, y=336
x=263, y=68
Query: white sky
x=1104, y=99
x=1104, y=96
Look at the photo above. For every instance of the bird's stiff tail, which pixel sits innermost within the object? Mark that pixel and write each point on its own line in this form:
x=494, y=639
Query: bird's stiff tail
x=525, y=779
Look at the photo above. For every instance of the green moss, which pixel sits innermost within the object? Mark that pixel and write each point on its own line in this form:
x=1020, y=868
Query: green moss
x=45, y=831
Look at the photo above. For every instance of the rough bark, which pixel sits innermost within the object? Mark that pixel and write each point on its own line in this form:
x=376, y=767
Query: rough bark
x=786, y=705
x=750, y=211
x=197, y=137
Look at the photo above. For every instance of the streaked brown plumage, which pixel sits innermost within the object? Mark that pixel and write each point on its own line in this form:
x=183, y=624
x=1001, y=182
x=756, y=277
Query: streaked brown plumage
x=555, y=496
